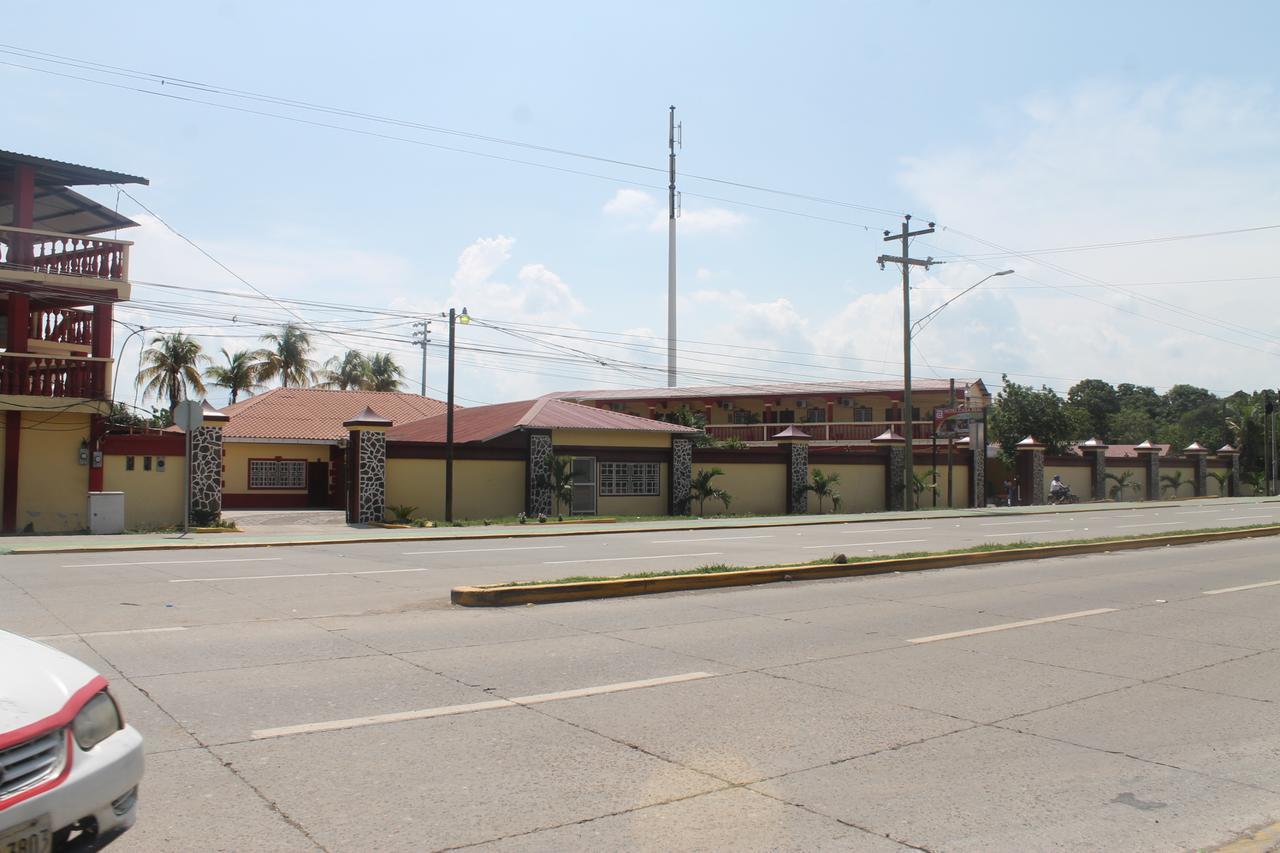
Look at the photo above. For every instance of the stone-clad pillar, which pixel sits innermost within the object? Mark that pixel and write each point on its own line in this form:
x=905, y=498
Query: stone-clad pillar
x=1233, y=457
x=1030, y=472
x=1150, y=455
x=206, y=467
x=1095, y=449
x=680, y=474
x=537, y=489
x=895, y=461
x=367, y=467
x=796, y=443
x=1200, y=456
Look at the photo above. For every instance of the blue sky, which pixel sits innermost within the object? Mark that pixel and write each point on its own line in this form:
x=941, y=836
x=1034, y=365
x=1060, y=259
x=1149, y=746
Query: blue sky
x=1027, y=125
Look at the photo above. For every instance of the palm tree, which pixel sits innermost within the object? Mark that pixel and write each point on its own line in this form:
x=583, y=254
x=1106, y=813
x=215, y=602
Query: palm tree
x=170, y=366
x=1175, y=482
x=921, y=482
x=384, y=373
x=701, y=488
x=240, y=374
x=1245, y=421
x=288, y=357
x=822, y=486
x=349, y=373
x=1221, y=478
x=559, y=479
x=1123, y=481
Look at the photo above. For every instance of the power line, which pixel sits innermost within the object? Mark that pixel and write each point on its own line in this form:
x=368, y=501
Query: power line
x=1027, y=253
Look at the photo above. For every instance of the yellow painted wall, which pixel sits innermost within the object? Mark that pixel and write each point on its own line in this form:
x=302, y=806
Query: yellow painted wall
x=755, y=488
x=236, y=456
x=152, y=498
x=641, y=505
x=1139, y=478
x=609, y=438
x=482, y=488
x=1078, y=480
x=1187, y=489
x=53, y=487
x=861, y=487
x=959, y=484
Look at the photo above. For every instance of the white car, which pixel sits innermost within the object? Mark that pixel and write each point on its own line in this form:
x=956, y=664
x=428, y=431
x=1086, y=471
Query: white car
x=69, y=766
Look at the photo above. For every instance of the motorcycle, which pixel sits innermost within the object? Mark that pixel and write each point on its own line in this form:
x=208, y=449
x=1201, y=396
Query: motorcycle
x=1063, y=496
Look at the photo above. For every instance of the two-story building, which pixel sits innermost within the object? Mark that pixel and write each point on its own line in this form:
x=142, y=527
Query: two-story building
x=60, y=279
x=852, y=412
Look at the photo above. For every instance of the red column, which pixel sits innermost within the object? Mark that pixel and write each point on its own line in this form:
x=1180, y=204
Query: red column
x=12, y=443
x=24, y=209
x=831, y=410
x=102, y=313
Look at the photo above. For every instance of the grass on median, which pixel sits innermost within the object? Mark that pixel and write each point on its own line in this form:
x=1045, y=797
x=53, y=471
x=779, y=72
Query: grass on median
x=720, y=568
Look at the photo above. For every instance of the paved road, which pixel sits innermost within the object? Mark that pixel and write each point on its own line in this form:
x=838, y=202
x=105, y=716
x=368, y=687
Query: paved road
x=1124, y=701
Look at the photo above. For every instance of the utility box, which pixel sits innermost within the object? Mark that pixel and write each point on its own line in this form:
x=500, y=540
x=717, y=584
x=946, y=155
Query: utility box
x=106, y=512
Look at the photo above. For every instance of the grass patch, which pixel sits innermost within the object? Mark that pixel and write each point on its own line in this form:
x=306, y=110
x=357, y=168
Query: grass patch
x=1020, y=545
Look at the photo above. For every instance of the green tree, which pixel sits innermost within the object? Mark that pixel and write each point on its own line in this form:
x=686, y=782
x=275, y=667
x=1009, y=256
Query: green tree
x=1131, y=425
x=288, y=357
x=1245, y=422
x=1142, y=397
x=702, y=488
x=1098, y=401
x=384, y=373
x=349, y=373
x=1021, y=410
x=823, y=486
x=239, y=374
x=1175, y=481
x=171, y=366
x=559, y=479
x=1123, y=482
x=920, y=482
x=1221, y=478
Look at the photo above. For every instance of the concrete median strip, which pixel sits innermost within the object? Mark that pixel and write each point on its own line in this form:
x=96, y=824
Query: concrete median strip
x=504, y=595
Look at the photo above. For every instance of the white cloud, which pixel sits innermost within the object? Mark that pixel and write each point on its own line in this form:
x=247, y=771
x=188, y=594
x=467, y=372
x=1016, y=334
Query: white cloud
x=634, y=207
x=629, y=202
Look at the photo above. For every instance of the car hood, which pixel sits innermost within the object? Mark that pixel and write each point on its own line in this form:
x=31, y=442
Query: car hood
x=38, y=681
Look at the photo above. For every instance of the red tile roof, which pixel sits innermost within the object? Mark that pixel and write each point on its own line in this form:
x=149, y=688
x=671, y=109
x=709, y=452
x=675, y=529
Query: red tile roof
x=782, y=389
x=317, y=414
x=481, y=423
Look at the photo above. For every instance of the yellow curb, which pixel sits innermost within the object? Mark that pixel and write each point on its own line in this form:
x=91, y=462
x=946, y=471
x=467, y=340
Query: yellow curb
x=216, y=530
x=502, y=596
x=1264, y=840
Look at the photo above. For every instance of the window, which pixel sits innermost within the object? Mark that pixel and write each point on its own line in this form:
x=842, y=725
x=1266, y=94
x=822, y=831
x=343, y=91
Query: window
x=128, y=463
x=146, y=463
x=862, y=414
x=628, y=478
x=277, y=473
x=815, y=415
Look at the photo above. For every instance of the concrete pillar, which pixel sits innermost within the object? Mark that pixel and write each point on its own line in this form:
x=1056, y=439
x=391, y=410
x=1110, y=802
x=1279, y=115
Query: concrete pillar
x=895, y=461
x=206, y=467
x=537, y=499
x=1096, y=451
x=366, y=467
x=1233, y=457
x=796, y=442
x=1030, y=472
x=1150, y=455
x=680, y=475
x=1200, y=456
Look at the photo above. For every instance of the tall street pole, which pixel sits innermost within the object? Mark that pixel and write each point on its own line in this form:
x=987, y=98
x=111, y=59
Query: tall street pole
x=907, y=262
x=671, y=250
x=448, y=431
x=421, y=336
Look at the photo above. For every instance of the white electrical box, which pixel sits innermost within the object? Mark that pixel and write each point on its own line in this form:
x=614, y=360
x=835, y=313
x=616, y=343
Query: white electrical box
x=106, y=512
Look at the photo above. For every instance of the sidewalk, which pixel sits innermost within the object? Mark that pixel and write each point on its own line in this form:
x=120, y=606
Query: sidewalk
x=346, y=534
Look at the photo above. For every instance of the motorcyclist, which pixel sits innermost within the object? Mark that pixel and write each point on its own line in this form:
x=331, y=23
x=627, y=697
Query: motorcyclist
x=1057, y=488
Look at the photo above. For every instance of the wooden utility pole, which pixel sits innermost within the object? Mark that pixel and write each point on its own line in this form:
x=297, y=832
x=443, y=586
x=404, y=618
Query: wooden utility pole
x=907, y=262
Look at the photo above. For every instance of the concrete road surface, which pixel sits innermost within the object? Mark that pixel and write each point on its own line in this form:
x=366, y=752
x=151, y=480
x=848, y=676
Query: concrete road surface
x=1125, y=701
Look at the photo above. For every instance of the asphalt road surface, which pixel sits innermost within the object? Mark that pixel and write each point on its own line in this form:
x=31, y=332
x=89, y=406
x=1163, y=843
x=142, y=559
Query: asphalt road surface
x=1125, y=701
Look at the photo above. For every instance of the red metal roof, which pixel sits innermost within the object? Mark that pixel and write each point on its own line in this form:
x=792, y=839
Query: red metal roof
x=783, y=389
x=481, y=423
x=317, y=414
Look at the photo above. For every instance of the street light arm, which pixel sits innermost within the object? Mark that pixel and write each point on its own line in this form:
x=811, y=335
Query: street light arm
x=918, y=325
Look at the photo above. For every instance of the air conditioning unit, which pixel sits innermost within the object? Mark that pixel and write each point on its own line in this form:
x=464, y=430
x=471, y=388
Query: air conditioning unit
x=726, y=405
x=845, y=401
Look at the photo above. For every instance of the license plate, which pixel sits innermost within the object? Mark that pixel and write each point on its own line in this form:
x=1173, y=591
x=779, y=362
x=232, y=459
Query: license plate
x=34, y=836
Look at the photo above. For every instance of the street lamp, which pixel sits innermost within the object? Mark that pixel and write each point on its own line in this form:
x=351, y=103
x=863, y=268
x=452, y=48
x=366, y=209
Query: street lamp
x=463, y=318
x=920, y=324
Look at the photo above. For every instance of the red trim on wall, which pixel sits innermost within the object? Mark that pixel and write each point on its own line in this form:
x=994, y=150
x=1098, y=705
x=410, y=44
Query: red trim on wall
x=411, y=450
x=172, y=444
x=265, y=500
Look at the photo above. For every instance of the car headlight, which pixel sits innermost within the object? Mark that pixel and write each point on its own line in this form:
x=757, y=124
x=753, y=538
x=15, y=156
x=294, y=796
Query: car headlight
x=97, y=720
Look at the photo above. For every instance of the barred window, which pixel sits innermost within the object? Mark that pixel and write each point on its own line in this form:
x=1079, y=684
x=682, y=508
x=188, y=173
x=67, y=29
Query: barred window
x=277, y=473
x=628, y=478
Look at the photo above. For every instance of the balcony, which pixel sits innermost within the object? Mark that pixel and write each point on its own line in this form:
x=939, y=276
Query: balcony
x=28, y=254
x=836, y=433
x=54, y=376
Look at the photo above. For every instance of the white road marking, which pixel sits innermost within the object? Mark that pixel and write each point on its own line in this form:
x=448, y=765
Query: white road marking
x=1152, y=524
x=863, y=544
x=1033, y=532
x=1007, y=523
x=1009, y=625
x=174, y=562
x=111, y=633
x=484, y=550
x=631, y=559
x=298, y=575
x=895, y=528
x=1199, y=512
x=450, y=710
x=706, y=539
x=1241, y=588
x=1248, y=517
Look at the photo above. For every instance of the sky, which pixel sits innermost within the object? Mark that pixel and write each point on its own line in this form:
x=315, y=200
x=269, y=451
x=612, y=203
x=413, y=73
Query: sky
x=1016, y=128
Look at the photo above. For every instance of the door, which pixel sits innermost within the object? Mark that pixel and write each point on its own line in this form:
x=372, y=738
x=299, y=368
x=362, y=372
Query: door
x=584, y=486
x=338, y=468
x=317, y=484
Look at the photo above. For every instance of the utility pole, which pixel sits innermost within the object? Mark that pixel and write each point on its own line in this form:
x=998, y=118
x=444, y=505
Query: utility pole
x=907, y=262
x=421, y=336
x=675, y=135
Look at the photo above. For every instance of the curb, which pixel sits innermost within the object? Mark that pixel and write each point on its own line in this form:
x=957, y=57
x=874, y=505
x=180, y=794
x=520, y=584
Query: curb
x=746, y=524
x=505, y=596
x=1262, y=841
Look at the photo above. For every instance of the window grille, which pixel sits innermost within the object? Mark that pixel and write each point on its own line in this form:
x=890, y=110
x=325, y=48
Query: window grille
x=277, y=473
x=619, y=479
